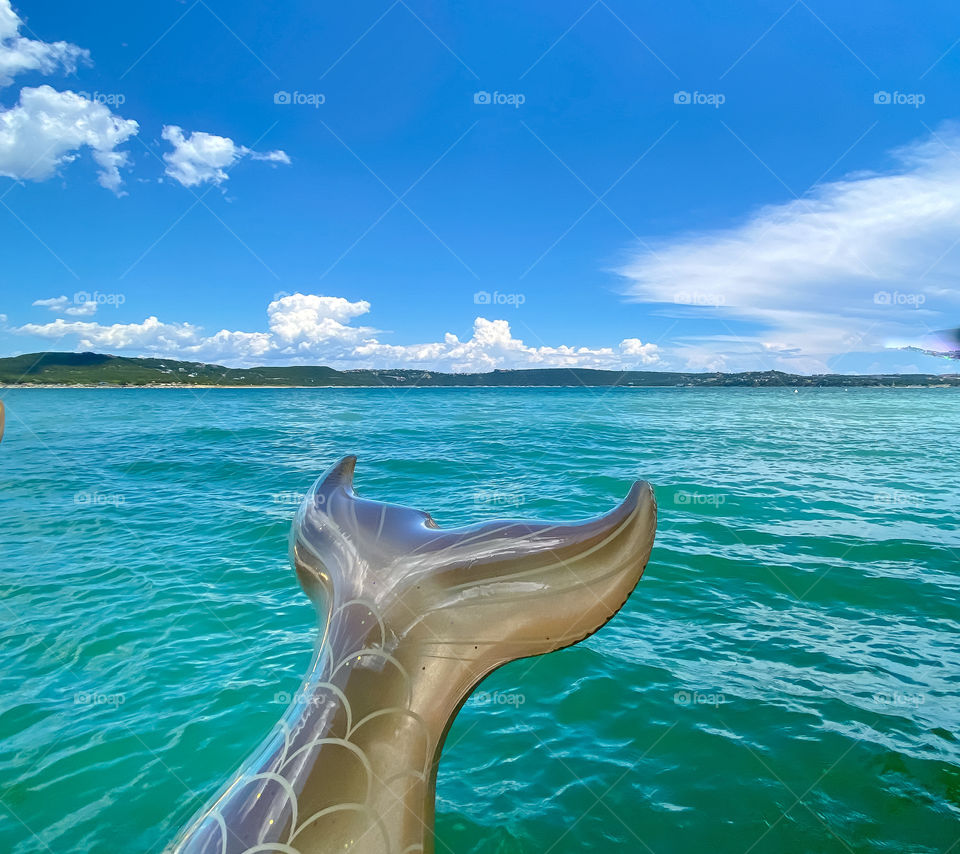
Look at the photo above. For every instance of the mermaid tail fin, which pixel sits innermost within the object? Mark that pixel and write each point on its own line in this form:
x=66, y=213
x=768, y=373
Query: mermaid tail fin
x=413, y=617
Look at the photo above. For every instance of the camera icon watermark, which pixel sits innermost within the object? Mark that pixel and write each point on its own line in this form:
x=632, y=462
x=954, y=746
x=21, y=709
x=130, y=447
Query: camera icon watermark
x=497, y=298
x=511, y=99
x=704, y=99
x=299, y=99
x=900, y=99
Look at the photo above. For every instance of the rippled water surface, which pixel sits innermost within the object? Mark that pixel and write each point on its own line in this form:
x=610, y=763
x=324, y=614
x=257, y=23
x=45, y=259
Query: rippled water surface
x=784, y=679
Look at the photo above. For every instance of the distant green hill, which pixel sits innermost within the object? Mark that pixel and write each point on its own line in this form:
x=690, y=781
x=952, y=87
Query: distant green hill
x=96, y=369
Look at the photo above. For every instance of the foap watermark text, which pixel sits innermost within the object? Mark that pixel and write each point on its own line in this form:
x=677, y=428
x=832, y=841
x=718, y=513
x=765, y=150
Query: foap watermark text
x=299, y=99
x=700, y=99
x=699, y=698
x=895, y=298
x=85, y=297
x=900, y=99
x=108, y=99
x=497, y=298
x=508, y=99
x=497, y=698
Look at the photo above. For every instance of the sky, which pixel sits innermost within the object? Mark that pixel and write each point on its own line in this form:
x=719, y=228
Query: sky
x=705, y=186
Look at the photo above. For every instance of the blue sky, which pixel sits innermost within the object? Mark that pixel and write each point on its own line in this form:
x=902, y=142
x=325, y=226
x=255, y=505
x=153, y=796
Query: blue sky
x=693, y=186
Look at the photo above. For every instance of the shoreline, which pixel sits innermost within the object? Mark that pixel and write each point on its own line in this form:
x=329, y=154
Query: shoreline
x=189, y=386
x=98, y=370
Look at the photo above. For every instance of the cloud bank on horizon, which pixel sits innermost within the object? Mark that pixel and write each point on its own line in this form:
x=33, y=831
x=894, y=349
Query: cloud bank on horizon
x=311, y=329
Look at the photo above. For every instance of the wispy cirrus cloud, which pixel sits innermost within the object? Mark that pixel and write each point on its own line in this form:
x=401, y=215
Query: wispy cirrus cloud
x=860, y=264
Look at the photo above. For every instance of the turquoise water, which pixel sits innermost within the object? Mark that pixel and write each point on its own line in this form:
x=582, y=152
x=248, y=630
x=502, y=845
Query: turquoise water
x=784, y=679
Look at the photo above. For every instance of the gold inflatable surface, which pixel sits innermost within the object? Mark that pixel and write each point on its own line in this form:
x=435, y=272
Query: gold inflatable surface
x=412, y=618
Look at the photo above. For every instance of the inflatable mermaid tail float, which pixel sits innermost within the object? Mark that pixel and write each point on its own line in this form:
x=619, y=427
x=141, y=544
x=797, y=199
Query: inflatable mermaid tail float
x=413, y=617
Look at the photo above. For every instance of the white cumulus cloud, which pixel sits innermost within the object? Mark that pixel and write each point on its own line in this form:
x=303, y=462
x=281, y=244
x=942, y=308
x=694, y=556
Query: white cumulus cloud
x=54, y=303
x=64, y=305
x=151, y=336
x=315, y=329
x=859, y=264
x=312, y=319
x=646, y=354
x=47, y=130
x=493, y=346
x=19, y=54
x=204, y=157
